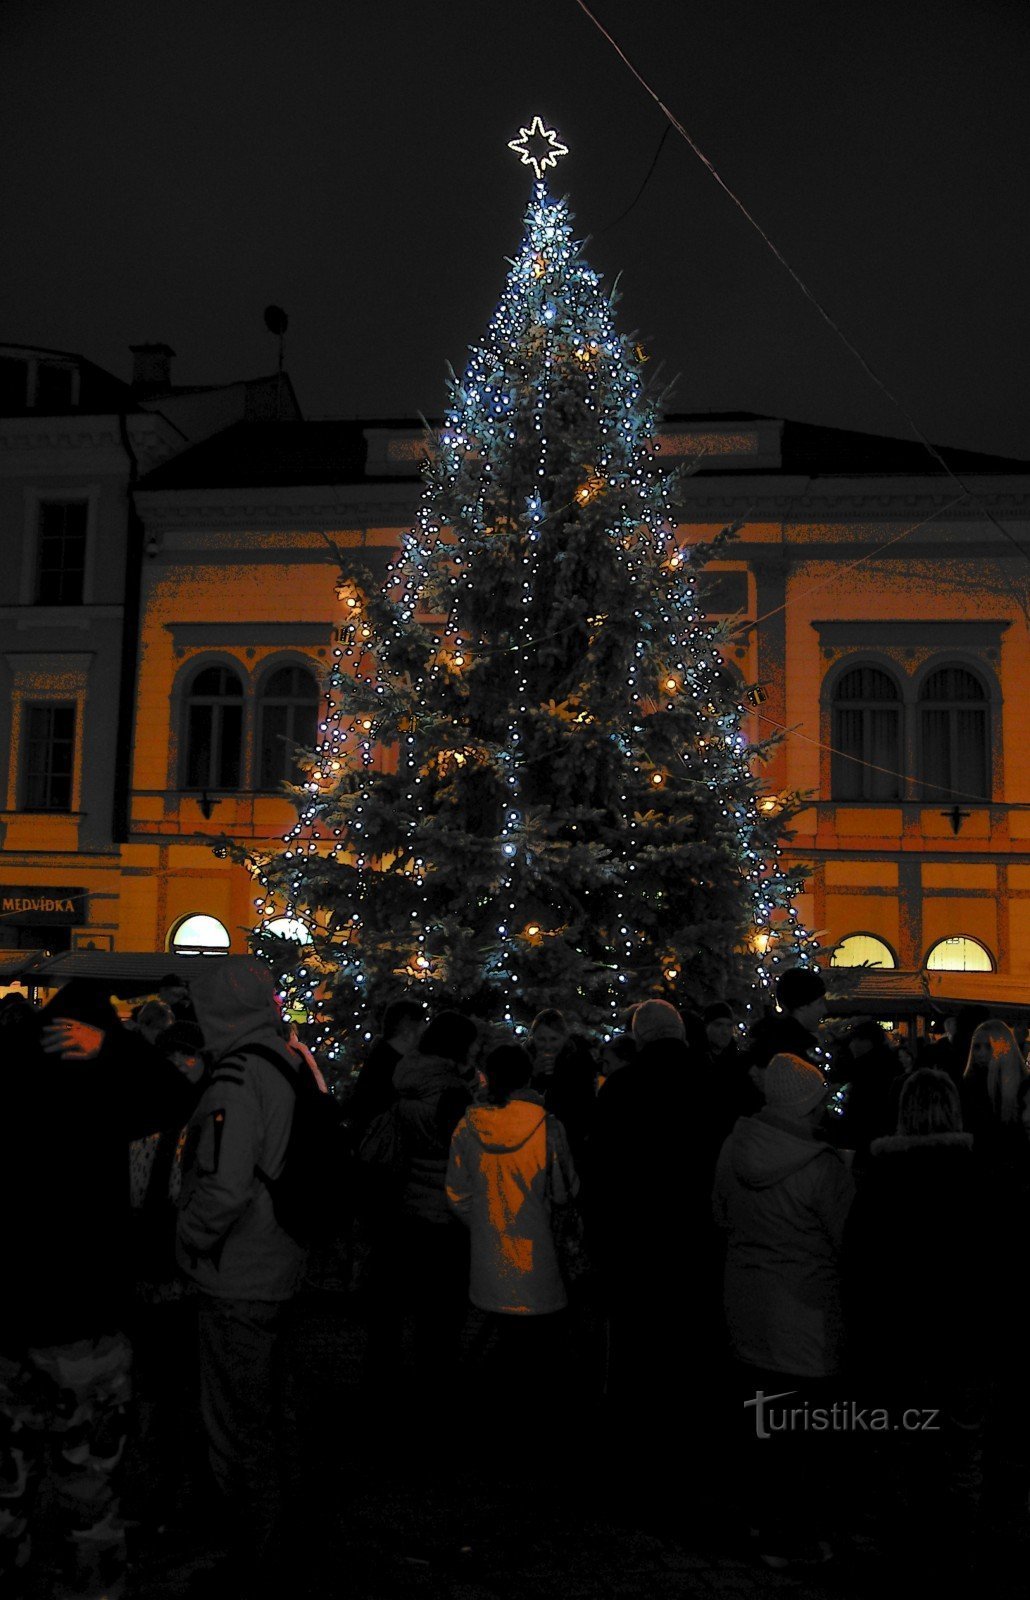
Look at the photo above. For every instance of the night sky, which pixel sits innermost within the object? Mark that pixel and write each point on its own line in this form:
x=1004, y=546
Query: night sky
x=170, y=169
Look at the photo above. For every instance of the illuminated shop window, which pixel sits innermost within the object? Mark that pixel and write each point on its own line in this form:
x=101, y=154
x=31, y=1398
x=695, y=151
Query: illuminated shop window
x=199, y=935
x=214, y=730
x=953, y=732
x=959, y=954
x=863, y=950
x=288, y=703
x=866, y=738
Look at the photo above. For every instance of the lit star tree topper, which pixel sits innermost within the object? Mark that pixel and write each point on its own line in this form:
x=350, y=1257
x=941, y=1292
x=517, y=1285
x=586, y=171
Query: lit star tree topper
x=533, y=787
x=538, y=147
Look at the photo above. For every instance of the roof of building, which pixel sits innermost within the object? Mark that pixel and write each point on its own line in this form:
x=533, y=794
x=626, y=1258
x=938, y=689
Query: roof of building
x=253, y=454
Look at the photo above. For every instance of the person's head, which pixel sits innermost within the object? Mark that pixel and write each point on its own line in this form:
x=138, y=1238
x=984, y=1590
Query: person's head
x=153, y=1018
x=794, y=1088
x=82, y=1000
x=449, y=1035
x=403, y=1021
x=654, y=1020
x=548, y=1033
x=801, y=992
x=172, y=989
x=507, y=1067
x=929, y=1103
x=996, y=1064
x=865, y=1036
x=181, y=1044
x=719, y=1025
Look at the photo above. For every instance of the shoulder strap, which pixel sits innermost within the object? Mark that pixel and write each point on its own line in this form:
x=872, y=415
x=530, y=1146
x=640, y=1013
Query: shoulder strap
x=266, y=1053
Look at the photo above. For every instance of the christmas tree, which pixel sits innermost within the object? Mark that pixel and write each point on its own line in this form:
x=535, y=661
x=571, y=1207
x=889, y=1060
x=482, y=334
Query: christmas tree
x=531, y=786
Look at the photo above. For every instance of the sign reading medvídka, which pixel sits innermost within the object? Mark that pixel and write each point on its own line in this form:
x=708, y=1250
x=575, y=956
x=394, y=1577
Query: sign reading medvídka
x=42, y=902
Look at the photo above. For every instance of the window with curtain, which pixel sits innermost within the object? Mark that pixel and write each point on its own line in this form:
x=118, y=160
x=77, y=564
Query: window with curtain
x=954, y=743
x=287, y=717
x=866, y=736
x=214, y=730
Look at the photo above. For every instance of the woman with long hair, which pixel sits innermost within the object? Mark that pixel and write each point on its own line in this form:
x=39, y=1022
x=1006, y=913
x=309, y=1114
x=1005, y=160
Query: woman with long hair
x=990, y=1083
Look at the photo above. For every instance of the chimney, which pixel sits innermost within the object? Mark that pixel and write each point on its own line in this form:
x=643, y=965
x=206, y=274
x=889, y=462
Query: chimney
x=151, y=368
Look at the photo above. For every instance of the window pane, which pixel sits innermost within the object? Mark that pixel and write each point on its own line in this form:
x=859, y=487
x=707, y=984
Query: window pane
x=973, y=776
x=49, y=757
x=959, y=954
x=200, y=731
x=274, y=761
x=882, y=775
x=862, y=950
x=61, y=557
x=866, y=683
x=952, y=683
x=231, y=739
x=846, y=781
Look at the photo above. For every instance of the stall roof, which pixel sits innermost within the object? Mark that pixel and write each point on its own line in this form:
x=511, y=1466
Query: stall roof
x=877, y=991
x=127, y=972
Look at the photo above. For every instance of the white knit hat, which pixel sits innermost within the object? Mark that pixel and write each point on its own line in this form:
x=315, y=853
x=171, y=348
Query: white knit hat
x=656, y=1019
x=792, y=1085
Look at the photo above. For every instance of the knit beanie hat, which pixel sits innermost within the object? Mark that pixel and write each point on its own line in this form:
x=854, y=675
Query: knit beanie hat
x=656, y=1019
x=792, y=1085
x=718, y=1011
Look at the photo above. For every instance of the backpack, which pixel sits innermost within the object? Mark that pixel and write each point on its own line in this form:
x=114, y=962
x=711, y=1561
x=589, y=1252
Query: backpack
x=311, y=1195
x=382, y=1160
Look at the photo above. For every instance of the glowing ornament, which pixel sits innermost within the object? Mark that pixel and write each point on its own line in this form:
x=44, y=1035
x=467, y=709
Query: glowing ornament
x=545, y=142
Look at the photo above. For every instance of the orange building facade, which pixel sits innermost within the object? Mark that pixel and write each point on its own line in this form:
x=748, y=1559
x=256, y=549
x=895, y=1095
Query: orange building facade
x=879, y=618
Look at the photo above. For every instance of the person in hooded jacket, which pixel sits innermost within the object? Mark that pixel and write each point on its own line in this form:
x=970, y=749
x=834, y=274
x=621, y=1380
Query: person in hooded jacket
x=243, y=1266
x=509, y=1164
x=76, y=1088
x=781, y=1199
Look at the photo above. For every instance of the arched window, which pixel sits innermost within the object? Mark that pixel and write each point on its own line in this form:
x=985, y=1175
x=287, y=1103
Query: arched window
x=287, y=717
x=214, y=730
x=866, y=736
x=862, y=950
x=199, y=935
x=953, y=736
x=959, y=954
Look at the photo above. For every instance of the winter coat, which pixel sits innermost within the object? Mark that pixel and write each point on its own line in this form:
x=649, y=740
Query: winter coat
x=65, y=1128
x=653, y=1147
x=228, y=1240
x=506, y=1165
x=431, y=1098
x=915, y=1248
x=781, y=1198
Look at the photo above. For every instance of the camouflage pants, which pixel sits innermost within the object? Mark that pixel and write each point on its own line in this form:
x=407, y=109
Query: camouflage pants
x=63, y=1419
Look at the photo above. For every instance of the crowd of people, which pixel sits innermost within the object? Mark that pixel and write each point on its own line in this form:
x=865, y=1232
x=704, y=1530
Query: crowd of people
x=795, y=1255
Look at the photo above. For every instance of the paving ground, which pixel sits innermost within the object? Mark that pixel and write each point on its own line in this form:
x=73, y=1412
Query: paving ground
x=392, y=1517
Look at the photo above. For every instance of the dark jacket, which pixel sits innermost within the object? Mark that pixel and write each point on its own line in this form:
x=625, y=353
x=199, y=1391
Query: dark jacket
x=372, y=1090
x=916, y=1244
x=652, y=1151
x=431, y=1102
x=781, y=1198
x=65, y=1130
